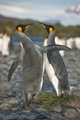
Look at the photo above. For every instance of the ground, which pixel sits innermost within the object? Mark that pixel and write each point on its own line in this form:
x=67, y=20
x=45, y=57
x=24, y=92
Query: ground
x=11, y=95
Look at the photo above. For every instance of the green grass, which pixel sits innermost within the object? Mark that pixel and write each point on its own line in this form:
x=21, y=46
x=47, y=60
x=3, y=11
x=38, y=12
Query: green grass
x=37, y=29
x=49, y=99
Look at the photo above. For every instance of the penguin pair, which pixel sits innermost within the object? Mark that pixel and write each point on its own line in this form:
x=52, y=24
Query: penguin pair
x=31, y=57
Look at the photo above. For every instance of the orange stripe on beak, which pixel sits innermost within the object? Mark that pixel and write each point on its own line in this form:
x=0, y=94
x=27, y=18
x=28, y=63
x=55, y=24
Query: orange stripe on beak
x=27, y=26
x=43, y=25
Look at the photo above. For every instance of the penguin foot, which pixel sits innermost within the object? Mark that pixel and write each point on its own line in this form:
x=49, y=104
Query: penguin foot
x=59, y=93
x=66, y=92
x=27, y=106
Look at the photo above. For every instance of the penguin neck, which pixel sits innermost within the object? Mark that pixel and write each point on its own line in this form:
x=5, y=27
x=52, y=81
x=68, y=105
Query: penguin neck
x=51, y=38
x=25, y=40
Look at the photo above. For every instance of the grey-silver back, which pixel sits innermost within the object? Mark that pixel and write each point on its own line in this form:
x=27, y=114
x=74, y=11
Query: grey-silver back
x=58, y=64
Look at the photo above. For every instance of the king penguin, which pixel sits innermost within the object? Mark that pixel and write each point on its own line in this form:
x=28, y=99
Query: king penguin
x=54, y=65
x=32, y=63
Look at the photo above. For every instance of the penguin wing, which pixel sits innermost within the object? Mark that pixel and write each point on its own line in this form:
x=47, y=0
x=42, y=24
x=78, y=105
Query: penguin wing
x=53, y=48
x=50, y=48
x=14, y=65
x=26, y=40
x=18, y=60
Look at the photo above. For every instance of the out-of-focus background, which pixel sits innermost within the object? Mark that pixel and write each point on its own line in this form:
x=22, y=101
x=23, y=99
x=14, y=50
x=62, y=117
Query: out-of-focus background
x=64, y=15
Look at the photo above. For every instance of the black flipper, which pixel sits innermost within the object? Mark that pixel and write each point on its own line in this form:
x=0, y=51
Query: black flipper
x=53, y=48
x=13, y=67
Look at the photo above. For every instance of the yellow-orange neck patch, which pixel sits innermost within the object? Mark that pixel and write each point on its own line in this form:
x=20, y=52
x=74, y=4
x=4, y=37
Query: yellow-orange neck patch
x=20, y=29
x=50, y=30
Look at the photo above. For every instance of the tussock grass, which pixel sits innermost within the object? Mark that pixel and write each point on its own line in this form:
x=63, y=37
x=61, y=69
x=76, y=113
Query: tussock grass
x=50, y=99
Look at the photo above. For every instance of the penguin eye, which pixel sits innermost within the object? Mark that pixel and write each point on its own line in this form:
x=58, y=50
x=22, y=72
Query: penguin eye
x=50, y=30
x=20, y=29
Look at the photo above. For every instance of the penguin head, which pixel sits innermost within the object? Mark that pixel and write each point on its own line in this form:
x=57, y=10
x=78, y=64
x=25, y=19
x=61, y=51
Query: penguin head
x=49, y=28
x=21, y=28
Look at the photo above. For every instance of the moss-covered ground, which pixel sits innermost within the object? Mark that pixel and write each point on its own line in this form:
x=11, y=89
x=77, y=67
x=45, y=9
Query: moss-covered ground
x=50, y=99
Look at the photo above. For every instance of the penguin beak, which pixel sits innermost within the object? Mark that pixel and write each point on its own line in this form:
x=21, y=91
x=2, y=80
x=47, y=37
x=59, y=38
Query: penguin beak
x=26, y=26
x=42, y=24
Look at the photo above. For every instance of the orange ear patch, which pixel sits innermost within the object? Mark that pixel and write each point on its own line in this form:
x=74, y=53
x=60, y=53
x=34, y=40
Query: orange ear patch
x=20, y=29
x=50, y=30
